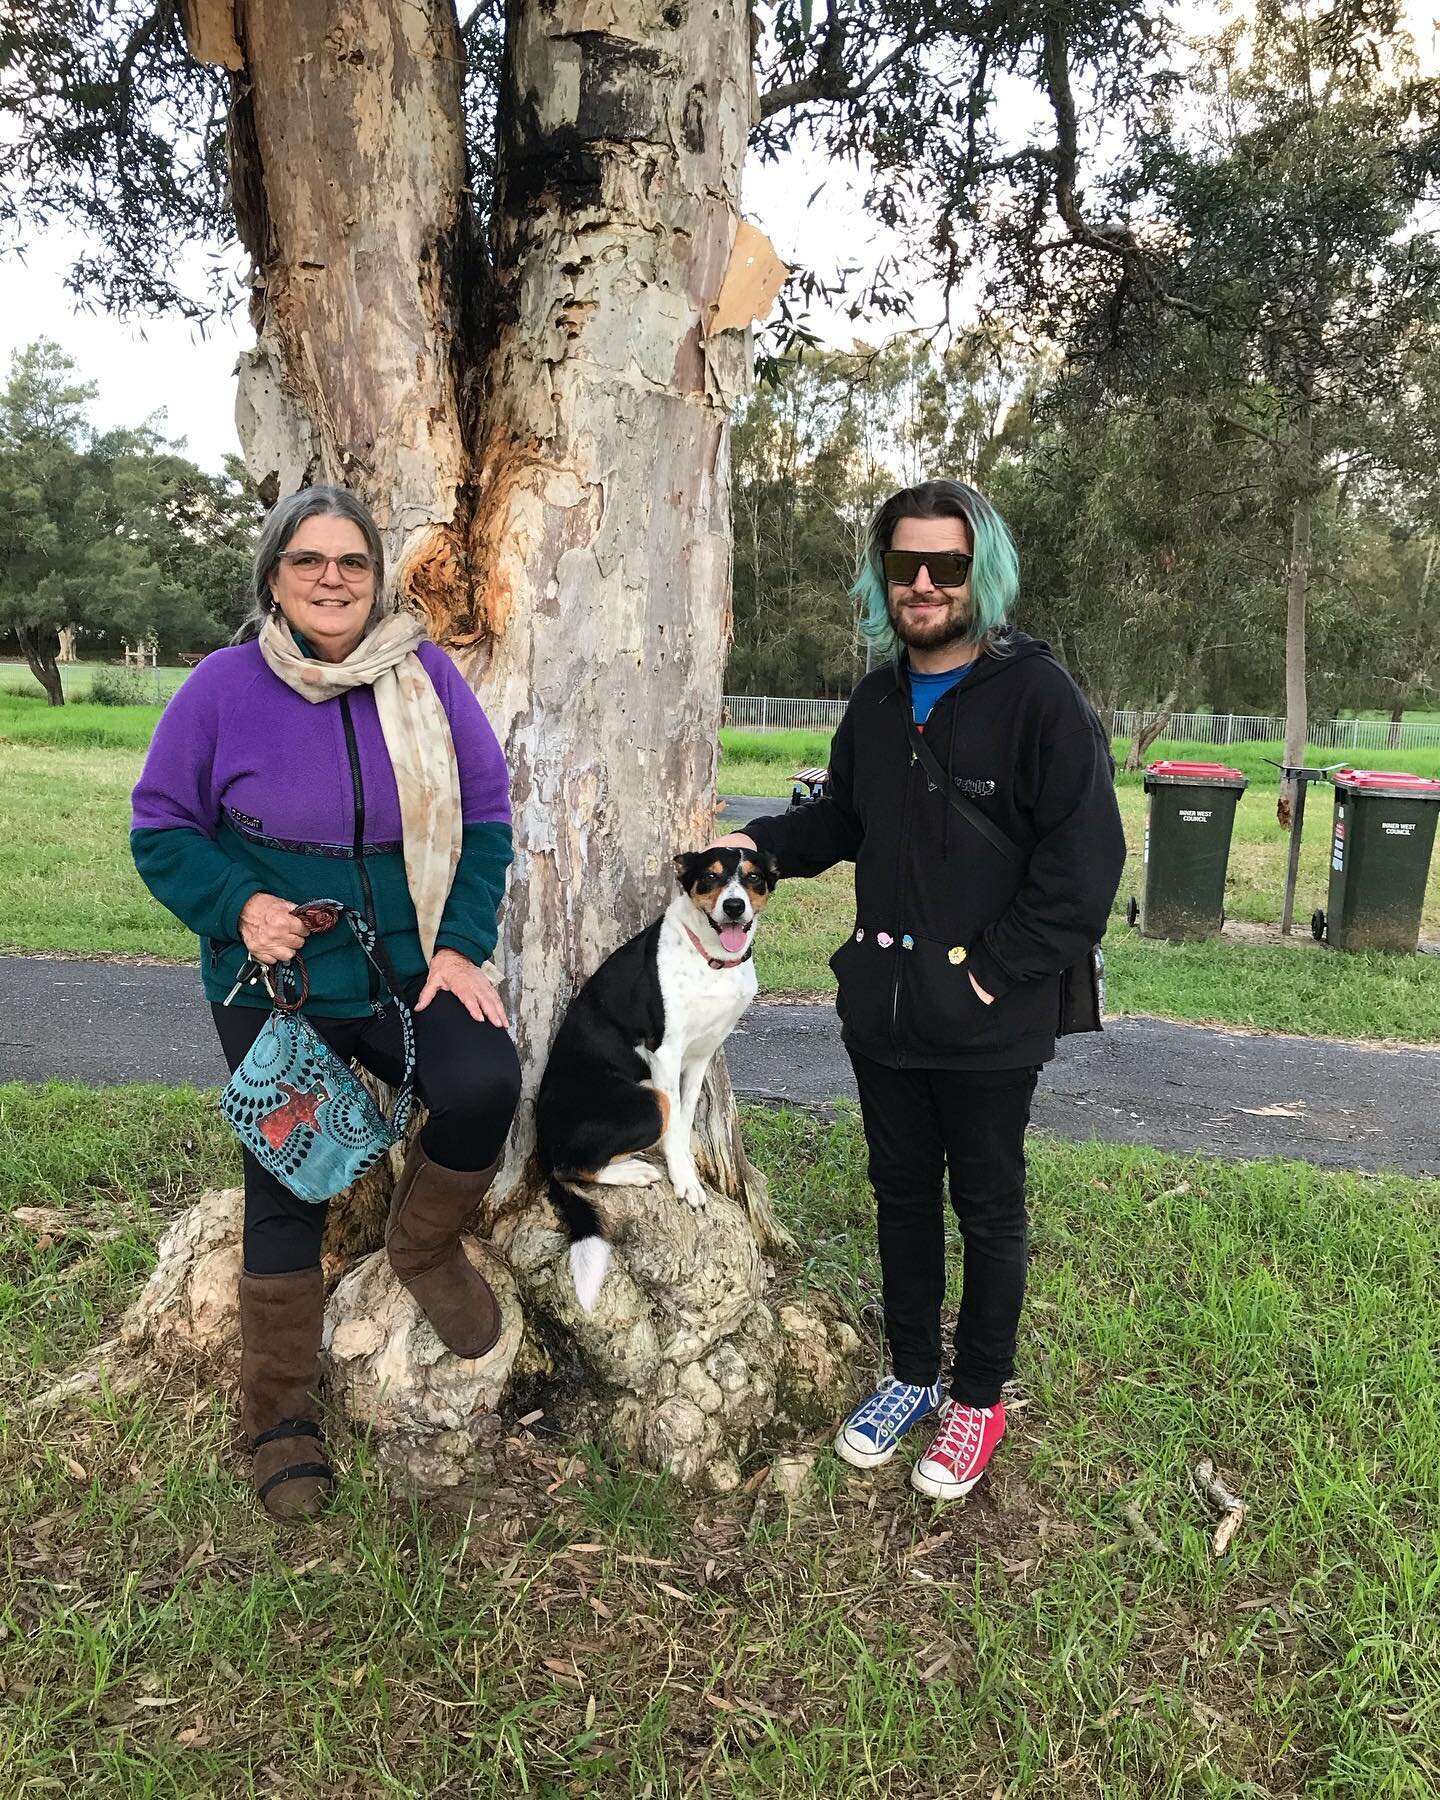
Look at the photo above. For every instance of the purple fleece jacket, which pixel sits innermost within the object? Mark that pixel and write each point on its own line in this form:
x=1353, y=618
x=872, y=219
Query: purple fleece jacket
x=249, y=788
x=235, y=739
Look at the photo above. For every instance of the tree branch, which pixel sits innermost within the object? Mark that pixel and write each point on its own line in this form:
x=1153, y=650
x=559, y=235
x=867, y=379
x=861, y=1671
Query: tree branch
x=828, y=81
x=1118, y=241
x=1265, y=437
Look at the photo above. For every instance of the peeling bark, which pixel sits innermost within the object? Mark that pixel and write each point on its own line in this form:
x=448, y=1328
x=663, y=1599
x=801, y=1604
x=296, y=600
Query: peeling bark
x=546, y=448
x=348, y=171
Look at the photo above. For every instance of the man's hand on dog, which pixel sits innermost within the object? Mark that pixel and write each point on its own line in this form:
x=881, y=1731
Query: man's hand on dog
x=271, y=931
x=452, y=973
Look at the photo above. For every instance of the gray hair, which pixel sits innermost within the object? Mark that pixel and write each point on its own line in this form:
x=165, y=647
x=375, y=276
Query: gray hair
x=282, y=522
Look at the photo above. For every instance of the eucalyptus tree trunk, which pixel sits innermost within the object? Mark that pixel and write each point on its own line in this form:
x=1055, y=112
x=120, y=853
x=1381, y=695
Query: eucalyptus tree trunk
x=541, y=428
x=1152, y=729
x=40, y=646
x=1297, y=716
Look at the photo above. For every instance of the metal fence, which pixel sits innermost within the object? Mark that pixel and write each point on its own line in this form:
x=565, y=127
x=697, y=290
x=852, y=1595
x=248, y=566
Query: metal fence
x=762, y=712
x=1248, y=728
x=765, y=712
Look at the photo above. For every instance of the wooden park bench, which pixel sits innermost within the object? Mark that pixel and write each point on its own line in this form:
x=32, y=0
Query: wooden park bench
x=807, y=785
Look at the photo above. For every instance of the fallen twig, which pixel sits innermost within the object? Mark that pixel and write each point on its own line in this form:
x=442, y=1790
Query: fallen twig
x=1226, y=1502
x=1147, y=1535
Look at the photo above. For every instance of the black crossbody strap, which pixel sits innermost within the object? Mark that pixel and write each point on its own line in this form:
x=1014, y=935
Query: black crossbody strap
x=967, y=809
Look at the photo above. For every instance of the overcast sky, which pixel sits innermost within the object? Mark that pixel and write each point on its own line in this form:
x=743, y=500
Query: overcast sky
x=144, y=365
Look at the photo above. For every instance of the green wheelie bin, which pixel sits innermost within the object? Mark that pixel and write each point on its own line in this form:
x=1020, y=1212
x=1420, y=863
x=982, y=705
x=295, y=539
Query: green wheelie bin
x=1187, y=848
x=1379, y=859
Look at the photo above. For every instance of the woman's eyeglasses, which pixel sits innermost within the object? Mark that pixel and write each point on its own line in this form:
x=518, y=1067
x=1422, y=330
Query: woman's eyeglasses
x=310, y=565
x=948, y=568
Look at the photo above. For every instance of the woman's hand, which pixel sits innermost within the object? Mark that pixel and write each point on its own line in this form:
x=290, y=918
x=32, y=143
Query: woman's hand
x=271, y=931
x=734, y=840
x=452, y=973
x=989, y=999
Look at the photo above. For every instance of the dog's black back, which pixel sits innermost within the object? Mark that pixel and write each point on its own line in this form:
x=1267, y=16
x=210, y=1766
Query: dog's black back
x=593, y=1069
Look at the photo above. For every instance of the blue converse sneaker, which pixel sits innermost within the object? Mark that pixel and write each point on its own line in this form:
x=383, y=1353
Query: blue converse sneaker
x=872, y=1433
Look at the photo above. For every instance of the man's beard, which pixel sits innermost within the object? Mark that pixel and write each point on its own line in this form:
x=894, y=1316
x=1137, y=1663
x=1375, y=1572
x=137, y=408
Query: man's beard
x=948, y=627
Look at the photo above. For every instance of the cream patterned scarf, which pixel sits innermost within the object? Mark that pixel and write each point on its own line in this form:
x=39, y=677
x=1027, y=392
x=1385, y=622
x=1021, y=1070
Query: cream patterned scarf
x=417, y=737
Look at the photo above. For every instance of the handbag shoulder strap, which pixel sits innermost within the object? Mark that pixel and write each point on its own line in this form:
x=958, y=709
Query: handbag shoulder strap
x=921, y=752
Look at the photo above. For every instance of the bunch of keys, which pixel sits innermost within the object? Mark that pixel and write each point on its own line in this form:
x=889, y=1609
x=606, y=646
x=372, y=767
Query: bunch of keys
x=315, y=915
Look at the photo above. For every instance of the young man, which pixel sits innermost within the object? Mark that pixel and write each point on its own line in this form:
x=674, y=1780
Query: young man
x=950, y=982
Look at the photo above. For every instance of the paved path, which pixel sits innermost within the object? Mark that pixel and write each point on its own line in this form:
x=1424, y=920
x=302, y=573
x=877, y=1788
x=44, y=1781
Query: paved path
x=1141, y=1081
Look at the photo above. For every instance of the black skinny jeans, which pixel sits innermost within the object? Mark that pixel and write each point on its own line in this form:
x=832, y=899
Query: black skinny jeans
x=916, y=1122
x=466, y=1072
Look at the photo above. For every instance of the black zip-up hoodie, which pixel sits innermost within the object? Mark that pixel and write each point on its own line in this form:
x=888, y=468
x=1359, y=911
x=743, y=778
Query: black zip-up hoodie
x=935, y=902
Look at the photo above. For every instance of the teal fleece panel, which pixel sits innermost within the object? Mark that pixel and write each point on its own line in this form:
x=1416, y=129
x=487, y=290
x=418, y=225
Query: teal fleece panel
x=205, y=884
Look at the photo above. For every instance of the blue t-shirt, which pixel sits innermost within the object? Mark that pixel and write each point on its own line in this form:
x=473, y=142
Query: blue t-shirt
x=925, y=690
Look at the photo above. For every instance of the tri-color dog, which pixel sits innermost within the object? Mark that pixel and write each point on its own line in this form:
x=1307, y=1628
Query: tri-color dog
x=629, y=1060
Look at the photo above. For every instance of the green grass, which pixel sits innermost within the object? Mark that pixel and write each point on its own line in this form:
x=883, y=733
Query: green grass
x=66, y=878
x=763, y=762
x=584, y=1630
x=75, y=679
x=67, y=885
x=28, y=719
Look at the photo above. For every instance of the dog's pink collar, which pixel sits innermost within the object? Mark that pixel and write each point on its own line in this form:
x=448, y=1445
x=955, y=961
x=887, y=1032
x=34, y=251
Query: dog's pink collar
x=717, y=962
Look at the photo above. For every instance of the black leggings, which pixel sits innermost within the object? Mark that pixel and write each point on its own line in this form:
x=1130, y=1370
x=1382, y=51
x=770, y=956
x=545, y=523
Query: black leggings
x=466, y=1072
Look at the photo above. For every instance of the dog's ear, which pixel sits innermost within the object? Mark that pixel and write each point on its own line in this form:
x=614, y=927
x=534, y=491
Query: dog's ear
x=767, y=863
x=687, y=867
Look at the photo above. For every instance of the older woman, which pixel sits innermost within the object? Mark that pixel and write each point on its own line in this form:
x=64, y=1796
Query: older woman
x=338, y=753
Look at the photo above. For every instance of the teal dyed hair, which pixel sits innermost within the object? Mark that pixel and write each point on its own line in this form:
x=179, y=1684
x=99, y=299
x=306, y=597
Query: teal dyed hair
x=994, y=574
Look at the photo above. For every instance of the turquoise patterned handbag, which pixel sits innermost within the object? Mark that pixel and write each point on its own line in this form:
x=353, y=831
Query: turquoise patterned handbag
x=298, y=1108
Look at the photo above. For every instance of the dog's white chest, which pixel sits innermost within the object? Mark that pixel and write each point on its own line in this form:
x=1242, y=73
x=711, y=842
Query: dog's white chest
x=702, y=1005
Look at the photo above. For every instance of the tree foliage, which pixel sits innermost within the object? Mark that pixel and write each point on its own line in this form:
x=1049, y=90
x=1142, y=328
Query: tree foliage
x=114, y=534
x=1153, y=531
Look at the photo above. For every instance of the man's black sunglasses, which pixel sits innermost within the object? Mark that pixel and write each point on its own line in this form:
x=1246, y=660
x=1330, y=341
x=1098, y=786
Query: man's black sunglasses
x=948, y=568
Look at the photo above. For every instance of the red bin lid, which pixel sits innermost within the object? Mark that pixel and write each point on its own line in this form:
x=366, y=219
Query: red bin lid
x=1396, y=780
x=1196, y=771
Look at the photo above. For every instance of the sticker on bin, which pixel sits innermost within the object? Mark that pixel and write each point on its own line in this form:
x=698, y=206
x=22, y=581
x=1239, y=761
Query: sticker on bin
x=1395, y=781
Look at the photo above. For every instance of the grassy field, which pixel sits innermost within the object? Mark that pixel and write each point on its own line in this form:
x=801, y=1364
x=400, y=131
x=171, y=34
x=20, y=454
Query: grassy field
x=1300, y=987
x=76, y=678
x=67, y=885
x=586, y=1631
x=66, y=878
x=768, y=759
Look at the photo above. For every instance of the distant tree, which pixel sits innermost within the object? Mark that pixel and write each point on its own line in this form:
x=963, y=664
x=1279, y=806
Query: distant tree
x=115, y=534
x=1268, y=238
x=44, y=511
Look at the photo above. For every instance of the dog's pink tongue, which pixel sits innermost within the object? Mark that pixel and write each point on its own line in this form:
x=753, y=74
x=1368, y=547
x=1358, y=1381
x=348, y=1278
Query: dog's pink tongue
x=732, y=939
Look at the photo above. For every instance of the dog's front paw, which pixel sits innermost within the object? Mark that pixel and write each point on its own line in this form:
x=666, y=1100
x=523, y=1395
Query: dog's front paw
x=688, y=1186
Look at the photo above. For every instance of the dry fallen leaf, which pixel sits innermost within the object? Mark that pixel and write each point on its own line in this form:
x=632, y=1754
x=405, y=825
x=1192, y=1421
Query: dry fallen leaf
x=1276, y=1111
x=1226, y=1530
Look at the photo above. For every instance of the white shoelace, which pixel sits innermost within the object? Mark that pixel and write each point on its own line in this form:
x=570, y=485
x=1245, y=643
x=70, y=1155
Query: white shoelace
x=961, y=1432
x=893, y=1400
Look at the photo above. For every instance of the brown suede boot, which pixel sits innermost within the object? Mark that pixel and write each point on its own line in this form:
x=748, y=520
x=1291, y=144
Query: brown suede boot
x=280, y=1322
x=429, y=1206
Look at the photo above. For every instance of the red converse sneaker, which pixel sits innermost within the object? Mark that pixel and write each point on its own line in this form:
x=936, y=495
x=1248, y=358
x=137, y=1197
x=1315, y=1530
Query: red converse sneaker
x=961, y=1448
